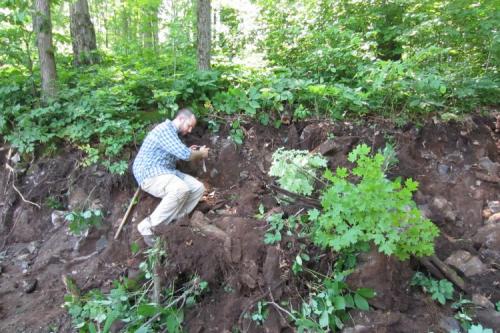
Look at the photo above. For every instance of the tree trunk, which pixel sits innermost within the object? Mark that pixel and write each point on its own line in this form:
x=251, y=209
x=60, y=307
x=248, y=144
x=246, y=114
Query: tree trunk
x=82, y=34
x=42, y=26
x=204, y=32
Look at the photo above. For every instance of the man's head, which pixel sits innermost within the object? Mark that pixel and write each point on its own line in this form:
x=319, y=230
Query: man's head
x=184, y=121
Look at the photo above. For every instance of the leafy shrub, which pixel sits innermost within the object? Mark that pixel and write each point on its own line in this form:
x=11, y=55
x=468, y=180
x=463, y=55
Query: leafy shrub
x=372, y=209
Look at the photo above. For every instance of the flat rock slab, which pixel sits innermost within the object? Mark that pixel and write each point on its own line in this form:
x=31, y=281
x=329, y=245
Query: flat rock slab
x=468, y=264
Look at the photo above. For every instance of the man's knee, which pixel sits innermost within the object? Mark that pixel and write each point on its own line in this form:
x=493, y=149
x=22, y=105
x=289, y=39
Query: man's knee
x=181, y=191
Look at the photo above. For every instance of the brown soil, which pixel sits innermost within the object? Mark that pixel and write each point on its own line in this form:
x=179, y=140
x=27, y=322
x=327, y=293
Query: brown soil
x=450, y=160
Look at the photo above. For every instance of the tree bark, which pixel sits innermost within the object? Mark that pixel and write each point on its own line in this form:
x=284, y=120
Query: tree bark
x=42, y=26
x=82, y=34
x=204, y=34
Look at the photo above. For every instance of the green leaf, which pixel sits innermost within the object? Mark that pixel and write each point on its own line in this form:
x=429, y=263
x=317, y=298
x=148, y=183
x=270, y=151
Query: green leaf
x=92, y=328
x=361, y=302
x=147, y=310
x=134, y=248
x=324, y=320
x=366, y=292
x=339, y=303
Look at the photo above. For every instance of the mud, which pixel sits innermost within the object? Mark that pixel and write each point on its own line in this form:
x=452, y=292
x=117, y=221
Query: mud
x=450, y=160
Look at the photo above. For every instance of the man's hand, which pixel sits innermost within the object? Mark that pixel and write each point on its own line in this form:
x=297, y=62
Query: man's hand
x=198, y=152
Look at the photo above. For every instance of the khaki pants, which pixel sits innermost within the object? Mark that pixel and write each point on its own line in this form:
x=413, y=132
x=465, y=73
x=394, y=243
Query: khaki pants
x=178, y=196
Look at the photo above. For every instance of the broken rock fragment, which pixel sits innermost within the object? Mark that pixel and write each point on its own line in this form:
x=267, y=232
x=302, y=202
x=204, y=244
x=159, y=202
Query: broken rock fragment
x=468, y=264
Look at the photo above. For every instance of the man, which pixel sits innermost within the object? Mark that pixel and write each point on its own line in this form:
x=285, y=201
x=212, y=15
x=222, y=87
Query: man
x=155, y=171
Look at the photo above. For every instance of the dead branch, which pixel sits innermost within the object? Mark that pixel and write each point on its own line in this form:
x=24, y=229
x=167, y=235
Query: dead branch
x=309, y=202
x=441, y=270
x=127, y=213
x=487, y=178
x=431, y=268
x=448, y=272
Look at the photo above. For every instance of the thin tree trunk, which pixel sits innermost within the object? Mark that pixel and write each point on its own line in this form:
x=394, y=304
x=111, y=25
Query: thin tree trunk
x=82, y=34
x=204, y=32
x=42, y=26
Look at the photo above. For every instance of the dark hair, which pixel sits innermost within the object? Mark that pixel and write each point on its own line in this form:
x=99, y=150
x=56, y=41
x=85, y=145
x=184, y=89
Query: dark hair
x=185, y=113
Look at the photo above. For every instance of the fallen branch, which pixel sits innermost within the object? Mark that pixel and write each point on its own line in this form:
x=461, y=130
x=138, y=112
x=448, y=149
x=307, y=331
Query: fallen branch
x=441, y=270
x=487, y=178
x=448, y=272
x=129, y=209
x=310, y=202
x=431, y=268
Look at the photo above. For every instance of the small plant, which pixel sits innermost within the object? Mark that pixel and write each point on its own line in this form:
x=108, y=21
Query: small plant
x=390, y=157
x=273, y=234
x=299, y=260
x=236, y=133
x=260, y=314
x=327, y=306
x=440, y=291
x=296, y=169
x=260, y=214
x=53, y=203
x=80, y=222
x=464, y=310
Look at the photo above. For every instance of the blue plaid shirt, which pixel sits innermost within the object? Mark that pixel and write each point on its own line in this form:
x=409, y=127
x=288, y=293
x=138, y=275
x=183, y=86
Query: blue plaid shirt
x=159, y=152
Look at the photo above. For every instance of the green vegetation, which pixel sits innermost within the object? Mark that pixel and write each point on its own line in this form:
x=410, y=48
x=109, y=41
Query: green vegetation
x=327, y=306
x=400, y=59
x=440, y=291
x=339, y=59
x=80, y=222
x=130, y=303
x=296, y=170
x=371, y=208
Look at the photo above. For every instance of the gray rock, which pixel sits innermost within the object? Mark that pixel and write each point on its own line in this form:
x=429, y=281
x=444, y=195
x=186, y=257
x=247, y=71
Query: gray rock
x=449, y=324
x=32, y=247
x=443, y=169
x=58, y=218
x=444, y=208
x=213, y=173
x=243, y=175
x=488, y=236
x=101, y=244
x=494, y=219
x=77, y=197
x=455, y=157
x=488, y=165
x=468, y=264
x=489, y=318
x=482, y=301
x=30, y=285
x=494, y=206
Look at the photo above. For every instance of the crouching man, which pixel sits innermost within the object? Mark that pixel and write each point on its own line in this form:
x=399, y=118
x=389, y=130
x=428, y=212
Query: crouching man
x=155, y=170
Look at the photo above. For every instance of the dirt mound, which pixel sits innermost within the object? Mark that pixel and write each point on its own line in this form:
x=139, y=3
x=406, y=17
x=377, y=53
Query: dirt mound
x=456, y=164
